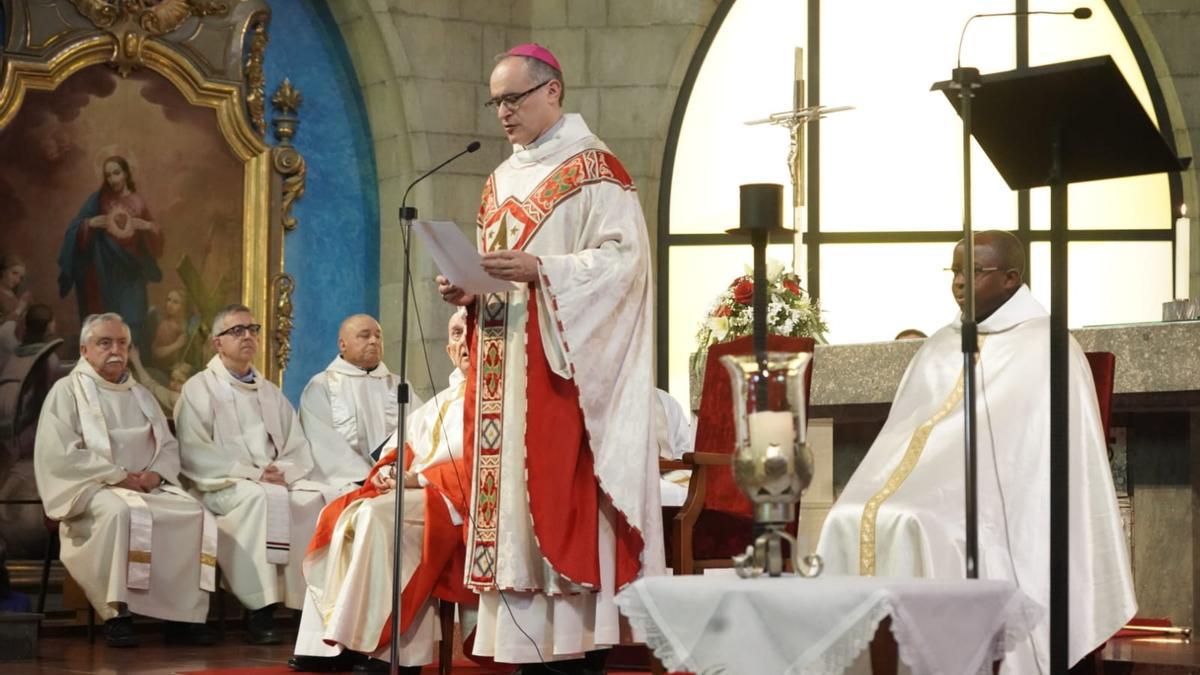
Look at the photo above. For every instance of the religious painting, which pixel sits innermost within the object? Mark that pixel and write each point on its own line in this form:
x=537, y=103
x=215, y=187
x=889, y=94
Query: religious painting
x=102, y=215
x=137, y=179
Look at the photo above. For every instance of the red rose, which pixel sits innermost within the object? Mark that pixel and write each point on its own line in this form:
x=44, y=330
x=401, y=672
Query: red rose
x=792, y=286
x=743, y=291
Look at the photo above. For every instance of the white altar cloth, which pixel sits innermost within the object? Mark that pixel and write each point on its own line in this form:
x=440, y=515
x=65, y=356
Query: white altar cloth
x=720, y=623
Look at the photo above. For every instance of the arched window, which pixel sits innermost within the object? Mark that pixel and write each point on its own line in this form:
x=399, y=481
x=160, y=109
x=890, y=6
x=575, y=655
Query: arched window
x=884, y=196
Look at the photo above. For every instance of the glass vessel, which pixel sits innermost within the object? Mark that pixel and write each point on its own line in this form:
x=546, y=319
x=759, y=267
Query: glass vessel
x=772, y=463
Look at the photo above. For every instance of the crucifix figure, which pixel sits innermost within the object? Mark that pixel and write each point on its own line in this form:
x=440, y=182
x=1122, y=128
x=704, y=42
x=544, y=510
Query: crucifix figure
x=794, y=120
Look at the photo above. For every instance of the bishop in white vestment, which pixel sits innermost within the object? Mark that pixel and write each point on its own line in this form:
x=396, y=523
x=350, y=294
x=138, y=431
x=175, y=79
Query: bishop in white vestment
x=349, y=409
x=560, y=396
x=244, y=451
x=107, y=469
x=902, y=512
x=349, y=563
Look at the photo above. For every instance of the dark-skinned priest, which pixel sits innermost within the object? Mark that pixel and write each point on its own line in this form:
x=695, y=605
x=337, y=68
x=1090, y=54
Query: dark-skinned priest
x=902, y=512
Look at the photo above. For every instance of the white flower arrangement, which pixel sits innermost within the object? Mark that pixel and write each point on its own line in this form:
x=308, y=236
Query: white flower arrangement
x=790, y=311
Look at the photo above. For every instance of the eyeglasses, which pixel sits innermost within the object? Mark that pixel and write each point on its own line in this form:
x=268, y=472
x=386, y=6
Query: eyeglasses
x=979, y=271
x=513, y=101
x=239, y=331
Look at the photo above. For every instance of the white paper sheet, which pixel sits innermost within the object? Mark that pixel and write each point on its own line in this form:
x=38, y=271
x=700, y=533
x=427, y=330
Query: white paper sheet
x=457, y=257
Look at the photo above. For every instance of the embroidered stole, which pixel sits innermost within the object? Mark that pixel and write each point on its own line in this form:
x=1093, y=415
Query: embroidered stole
x=141, y=520
x=908, y=462
x=510, y=225
x=362, y=432
x=228, y=432
x=436, y=432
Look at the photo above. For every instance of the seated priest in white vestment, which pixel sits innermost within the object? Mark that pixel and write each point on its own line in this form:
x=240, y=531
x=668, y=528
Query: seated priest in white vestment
x=902, y=512
x=675, y=439
x=347, y=612
x=244, y=451
x=107, y=469
x=349, y=409
x=565, y=507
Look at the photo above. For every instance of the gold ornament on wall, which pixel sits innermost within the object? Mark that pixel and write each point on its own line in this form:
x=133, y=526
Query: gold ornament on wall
x=283, y=285
x=256, y=81
x=287, y=160
x=130, y=22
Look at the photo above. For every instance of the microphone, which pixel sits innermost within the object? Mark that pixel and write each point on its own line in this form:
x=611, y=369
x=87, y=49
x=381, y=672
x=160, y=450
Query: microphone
x=407, y=213
x=1078, y=13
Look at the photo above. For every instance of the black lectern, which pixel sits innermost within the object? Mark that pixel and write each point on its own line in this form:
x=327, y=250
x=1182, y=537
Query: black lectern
x=1050, y=126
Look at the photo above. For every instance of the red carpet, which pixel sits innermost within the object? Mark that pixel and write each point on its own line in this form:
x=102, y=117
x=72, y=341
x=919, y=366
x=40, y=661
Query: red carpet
x=463, y=667
x=460, y=668
x=270, y=670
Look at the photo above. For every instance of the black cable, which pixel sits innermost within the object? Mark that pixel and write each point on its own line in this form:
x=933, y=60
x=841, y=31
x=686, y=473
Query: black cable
x=458, y=476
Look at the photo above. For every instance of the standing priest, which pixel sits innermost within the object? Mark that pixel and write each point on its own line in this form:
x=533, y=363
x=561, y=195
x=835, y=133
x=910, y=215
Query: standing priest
x=350, y=408
x=565, y=504
x=243, y=449
x=902, y=512
x=107, y=469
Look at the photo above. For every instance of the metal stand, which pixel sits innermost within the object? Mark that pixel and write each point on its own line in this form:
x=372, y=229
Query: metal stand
x=966, y=81
x=1086, y=125
x=761, y=213
x=407, y=215
x=1060, y=417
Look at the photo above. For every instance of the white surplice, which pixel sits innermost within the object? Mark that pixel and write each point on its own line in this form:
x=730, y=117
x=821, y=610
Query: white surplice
x=144, y=549
x=674, y=436
x=902, y=513
x=347, y=413
x=349, y=600
x=229, y=432
x=566, y=200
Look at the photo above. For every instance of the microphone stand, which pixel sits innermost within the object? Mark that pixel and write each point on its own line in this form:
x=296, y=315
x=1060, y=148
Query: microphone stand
x=407, y=215
x=966, y=80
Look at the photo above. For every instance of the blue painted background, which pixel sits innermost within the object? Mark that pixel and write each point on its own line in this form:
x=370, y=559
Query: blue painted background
x=334, y=253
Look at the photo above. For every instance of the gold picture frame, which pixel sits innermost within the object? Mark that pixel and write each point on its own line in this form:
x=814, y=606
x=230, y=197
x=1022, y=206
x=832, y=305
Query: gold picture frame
x=212, y=53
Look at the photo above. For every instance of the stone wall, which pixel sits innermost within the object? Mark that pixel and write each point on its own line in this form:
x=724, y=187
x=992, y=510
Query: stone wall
x=423, y=67
x=1168, y=29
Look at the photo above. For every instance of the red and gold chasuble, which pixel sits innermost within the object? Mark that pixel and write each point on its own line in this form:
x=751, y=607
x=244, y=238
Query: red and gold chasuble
x=439, y=573
x=563, y=492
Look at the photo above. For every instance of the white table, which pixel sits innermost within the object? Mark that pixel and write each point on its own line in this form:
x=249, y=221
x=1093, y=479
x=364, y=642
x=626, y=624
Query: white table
x=723, y=624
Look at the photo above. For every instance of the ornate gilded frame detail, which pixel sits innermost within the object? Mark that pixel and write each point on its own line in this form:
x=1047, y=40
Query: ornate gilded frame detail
x=178, y=39
x=256, y=80
x=288, y=161
x=283, y=285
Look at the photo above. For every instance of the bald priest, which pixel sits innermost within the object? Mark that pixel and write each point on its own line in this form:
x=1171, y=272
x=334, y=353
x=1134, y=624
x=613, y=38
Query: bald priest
x=349, y=409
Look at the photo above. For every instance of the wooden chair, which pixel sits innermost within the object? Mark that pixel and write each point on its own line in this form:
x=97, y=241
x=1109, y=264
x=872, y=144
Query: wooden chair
x=24, y=383
x=1104, y=366
x=715, y=521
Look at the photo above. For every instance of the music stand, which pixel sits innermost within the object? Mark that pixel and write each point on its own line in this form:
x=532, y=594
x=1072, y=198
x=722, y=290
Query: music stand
x=1051, y=126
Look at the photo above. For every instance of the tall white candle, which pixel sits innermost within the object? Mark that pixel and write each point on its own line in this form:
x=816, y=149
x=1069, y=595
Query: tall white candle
x=1183, y=257
x=771, y=428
